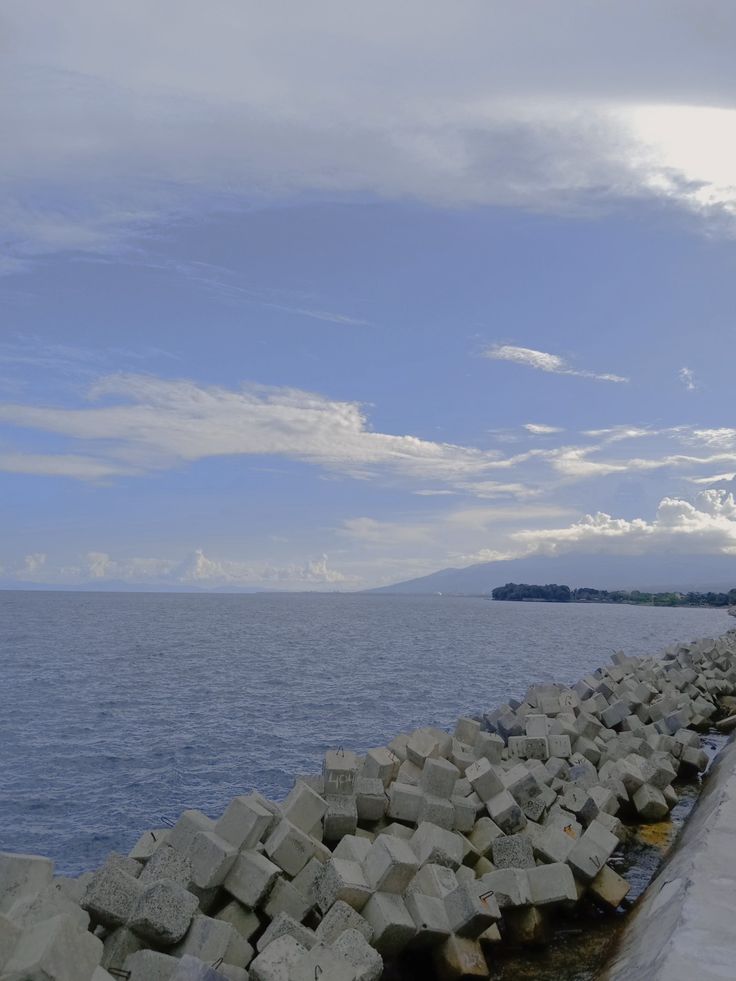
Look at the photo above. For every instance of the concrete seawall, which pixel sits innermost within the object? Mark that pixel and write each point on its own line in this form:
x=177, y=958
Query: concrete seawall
x=684, y=926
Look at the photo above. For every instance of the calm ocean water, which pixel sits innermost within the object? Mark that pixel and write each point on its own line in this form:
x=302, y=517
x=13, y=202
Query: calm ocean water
x=117, y=711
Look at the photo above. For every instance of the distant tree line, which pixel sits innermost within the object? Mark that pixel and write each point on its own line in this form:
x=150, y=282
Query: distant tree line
x=552, y=593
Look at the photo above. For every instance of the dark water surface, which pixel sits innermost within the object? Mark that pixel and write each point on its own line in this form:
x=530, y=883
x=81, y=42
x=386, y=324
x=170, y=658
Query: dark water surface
x=117, y=711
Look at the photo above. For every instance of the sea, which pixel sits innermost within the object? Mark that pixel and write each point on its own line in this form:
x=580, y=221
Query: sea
x=120, y=710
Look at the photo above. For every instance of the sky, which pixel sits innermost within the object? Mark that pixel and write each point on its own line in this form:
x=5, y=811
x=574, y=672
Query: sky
x=331, y=295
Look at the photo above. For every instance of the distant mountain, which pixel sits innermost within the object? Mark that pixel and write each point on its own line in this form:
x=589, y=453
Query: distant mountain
x=653, y=573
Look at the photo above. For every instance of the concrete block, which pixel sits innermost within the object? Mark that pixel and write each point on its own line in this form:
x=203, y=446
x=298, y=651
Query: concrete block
x=528, y=927
x=352, y=847
x=340, y=771
x=409, y=774
x=366, y=962
x=214, y=940
x=390, y=864
x=277, y=961
x=342, y=879
x=553, y=844
x=433, y=880
x=483, y=835
x=286, y=926
x=536, y=725
x=650, y=803
x=608, y=888
x=49, y=902
x=245, y=821
x=393, y=925
x=286, y=898
x=430, y=919
x=459, y=958
x=149, y=965
x=471, y=908
x=437, y=846
x=340, y=918
x=341, y=817
x=509, y=886
x=505, y=811
x=242, y=919
x=381, y=763
x=111, y=895
x=559, y=746
x=591, y=851
x=147, y=844
x=513, y=852
x=189, y=824
x=118, y=944
x=53, y=950
x=436, y=810
x=439, y=777
x=163, y=912
x=404, y=802
x=289, y=847
x=462, y=755
x=323, y=963
x=192, y=969
x=370, y=799
x=485, y=779
x=529, y=747
x=211, y=859
x=489, y=745
x=251, y=878
x=552, y=884
x=306, y=881
x=22, y=875
x=522, y=784
x=467, y=730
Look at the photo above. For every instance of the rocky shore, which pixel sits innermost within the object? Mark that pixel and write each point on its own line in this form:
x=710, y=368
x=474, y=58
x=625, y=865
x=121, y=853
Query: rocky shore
x=439, y=846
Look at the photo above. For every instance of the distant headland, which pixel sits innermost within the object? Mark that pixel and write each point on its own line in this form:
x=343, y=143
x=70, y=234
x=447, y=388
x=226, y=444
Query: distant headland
x=553, y=593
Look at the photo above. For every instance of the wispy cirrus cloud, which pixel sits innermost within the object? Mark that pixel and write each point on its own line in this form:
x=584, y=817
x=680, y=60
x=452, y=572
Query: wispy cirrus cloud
x=543, y=361
x=687, y=377
x=542, y=429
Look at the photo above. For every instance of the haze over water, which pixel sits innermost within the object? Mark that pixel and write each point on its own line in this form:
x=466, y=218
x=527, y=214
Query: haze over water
x=118, y=711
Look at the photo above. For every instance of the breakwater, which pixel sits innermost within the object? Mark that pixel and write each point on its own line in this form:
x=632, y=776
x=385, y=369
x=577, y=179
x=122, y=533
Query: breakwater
x=439, y=848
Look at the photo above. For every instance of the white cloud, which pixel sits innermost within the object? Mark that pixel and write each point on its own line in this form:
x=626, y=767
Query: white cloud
x=32, y=564
x=541, y=429
x=687, y=377
x=120, y=117
x=543, y=361
x=708, y=525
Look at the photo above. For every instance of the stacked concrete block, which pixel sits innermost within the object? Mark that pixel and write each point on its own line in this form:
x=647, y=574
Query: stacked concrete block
x=251, y=878
x=393, y=925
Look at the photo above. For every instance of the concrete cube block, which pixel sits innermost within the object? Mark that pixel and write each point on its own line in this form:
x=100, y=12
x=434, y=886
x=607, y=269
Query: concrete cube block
x=278, y=960
x=286, y=898
x=471, y=908
x=352, y=847
x=22, y=875
x=289, y=847
x=306, y=881
x=147, y=844
x=436, y=810
x=591, y=851
x=211, y=858
x=286, y=926
x=245, y=822
x=522, y=784
x=485, y=779
x=489, y=745
x=251, y=878
x=483, y=835
x=423, y=744
x=509, y=886
x=53, y=950
x=244, y=920
x=370, y=799
x=513, y=852
x=608, y=888
x=437, y=846
x=552, y=884
x=214, y=940
x=304, y=807
x=459, y=958
x=409, y=773
x=189, y=824
x=505, y=811
x=366, y=962
x=192, y=969
x=559, y=746
x=467, y=730
x=439, y=777
x=168, y=863
x=465, y=813
x=50, y=901
x=342, y=879
x=163, y=912
x=529, y=747
x=340, y=771
x=462, y=755
x=553, y=844
x=340, y=918
x=390, y=864
x=381, y=763
x=322, y=962
x=650, y=803
x=433, y=880
x=111, y=895
x=404, y=802
x=149, y=965
x=393, y=925
x=118, y=944
x=430, y=919
x=9, y=936
x=536, y=725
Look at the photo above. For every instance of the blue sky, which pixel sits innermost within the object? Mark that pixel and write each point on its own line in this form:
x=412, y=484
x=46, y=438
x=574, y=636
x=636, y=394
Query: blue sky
x=330, y=298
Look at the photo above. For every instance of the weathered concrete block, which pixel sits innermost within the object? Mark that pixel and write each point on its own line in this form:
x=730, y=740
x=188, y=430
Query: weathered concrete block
x=22, y=875
x=430, y=919
x=505, y=811
x=381, y=763
x=608, y=888
x=189, y=824
x=393, y=926
x=553, y=844
x=277, y=961
x=9, y=936
x=341, y=817
x=650, y=803
x=529, y=747
x=50, y=901
x=163, y=912
x=559, y=746
x=489, y=745
x=53, y=950
x=286, y=898
x=465, y=812
x=513, y=852
x=111, y=896
x=251, y=878
x=147, y=844
x=485, y=779
x=522, y=784
x=167, y=863
x=404, y=802
x=211, y=858
x=322, y=962
x=467, y=730
x=551, y=884
x=289, y=847
x=471, y=908
x=366, y=962
x=244, y=920
x=213, y=940
x=436, y=810
x=245, y=821
x=370, y=799
x=192, y=969
x=509, y=886
x=149, y=965
x=433, y=880
x=439, y=777
x=460, y=957
x=342, y=879
x=286, y=926
x=340, y=771
x=119, y=944
x=591, y=851
x=437, y=846
x=341, y=918
x=390, y=864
